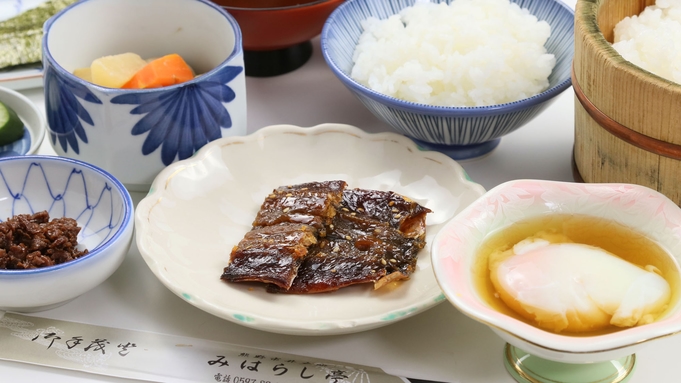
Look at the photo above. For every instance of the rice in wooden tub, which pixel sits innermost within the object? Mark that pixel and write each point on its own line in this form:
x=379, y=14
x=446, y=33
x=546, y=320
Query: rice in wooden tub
x=652, y=39
x=626, y=118
x=467, y=53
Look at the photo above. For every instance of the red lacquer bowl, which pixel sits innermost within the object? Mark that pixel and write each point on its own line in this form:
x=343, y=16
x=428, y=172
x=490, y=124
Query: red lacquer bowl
x=276, y=33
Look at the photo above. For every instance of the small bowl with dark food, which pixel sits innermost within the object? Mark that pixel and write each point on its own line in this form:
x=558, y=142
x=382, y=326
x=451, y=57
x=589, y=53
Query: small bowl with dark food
x=65, y=228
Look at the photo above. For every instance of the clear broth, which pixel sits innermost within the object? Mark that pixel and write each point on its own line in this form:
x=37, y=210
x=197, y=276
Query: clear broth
x=616, y=238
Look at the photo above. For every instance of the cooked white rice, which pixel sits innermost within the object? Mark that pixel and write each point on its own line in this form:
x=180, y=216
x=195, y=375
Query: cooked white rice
x=468, y=53
x=652, y=40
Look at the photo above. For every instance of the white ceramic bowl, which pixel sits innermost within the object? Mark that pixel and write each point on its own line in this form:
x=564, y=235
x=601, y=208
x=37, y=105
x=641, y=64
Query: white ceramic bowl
x=198, y=209
x=65, y=188
x=34, y=124
x=135, y=133
x=638, y=207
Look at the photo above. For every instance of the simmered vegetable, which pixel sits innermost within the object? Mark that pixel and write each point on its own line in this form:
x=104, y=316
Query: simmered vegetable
x=84, y=73
x=164, y=71
x=114, y=71
x=130, y=71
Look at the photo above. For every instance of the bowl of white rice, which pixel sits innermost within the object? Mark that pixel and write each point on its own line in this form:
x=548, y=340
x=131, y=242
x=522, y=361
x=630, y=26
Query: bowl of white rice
x=453, y=75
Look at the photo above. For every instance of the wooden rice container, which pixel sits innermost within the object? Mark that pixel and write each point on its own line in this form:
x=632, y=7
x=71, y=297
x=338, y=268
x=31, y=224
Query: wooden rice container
x=627, y=120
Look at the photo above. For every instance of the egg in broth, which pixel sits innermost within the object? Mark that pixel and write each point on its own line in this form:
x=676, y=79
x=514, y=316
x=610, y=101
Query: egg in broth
x=604, y=275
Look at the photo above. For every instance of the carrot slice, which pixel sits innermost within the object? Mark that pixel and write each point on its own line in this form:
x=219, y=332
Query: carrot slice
x=164, y=71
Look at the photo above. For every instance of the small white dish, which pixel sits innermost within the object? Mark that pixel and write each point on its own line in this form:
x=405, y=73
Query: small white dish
x=199, y=208
x=70, y=188
x=34, y=124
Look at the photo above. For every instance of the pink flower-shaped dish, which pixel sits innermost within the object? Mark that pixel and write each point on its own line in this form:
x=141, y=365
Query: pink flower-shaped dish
x=645, y=210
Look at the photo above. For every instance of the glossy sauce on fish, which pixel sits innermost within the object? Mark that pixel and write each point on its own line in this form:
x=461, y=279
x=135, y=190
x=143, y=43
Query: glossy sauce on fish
x=362, y=236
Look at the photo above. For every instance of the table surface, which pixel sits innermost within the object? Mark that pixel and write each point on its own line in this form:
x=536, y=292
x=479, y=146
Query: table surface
x=439, y=344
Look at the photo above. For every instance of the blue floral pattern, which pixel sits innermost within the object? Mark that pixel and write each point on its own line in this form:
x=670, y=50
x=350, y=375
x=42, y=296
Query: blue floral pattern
x=182, y=120
x=65, y=114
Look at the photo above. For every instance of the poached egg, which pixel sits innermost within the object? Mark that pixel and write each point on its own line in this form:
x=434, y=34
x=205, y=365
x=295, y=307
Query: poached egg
x=574, y=287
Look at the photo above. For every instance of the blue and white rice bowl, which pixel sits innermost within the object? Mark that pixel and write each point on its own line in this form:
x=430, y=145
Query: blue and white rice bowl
x=460, y=132
x=64, y=188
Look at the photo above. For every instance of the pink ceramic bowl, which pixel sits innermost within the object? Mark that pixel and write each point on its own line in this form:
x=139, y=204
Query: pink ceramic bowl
x=455, y=247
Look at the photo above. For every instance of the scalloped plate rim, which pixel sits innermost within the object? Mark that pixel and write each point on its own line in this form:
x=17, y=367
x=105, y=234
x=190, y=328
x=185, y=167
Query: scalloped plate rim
x=284, y=326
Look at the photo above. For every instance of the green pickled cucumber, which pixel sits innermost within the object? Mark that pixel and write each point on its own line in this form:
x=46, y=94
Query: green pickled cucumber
x=11, y=126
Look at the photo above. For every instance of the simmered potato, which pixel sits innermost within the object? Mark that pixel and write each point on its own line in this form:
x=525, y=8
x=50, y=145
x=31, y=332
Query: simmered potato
x=114, y=71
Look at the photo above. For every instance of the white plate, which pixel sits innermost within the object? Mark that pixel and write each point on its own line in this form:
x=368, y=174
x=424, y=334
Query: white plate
x=199, y=208
x=34, y=124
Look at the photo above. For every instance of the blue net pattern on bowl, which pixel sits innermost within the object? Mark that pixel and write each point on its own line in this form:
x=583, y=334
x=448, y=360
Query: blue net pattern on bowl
x=62, y=192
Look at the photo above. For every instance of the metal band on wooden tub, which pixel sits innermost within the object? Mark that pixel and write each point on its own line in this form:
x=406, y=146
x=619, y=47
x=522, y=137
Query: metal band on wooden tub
x=620, y=131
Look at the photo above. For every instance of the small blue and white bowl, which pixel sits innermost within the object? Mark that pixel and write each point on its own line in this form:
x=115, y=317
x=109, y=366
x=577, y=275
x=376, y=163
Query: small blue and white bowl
x=460, y=132
x=134, y=134
x=64, y=188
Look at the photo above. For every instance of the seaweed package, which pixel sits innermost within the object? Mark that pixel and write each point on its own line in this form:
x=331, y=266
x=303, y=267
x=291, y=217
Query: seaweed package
x=21, y=36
